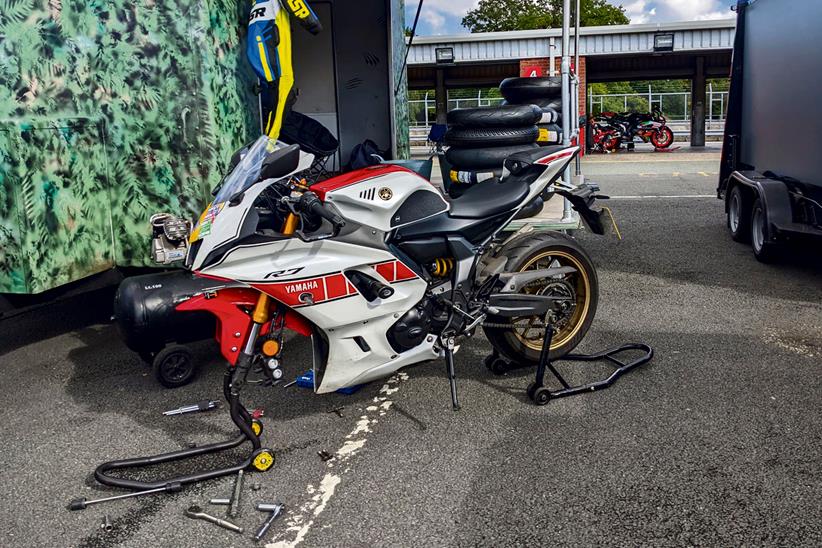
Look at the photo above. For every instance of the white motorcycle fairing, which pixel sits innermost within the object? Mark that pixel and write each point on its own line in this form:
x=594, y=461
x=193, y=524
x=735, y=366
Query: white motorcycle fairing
x=309, y=277
x=350, y=331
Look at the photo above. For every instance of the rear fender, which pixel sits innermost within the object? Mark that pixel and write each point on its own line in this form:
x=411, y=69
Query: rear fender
x=582, y=198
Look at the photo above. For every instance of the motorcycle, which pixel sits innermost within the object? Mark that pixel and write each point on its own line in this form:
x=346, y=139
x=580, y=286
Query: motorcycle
x=606, y=137
x=650, y=127
x=378, y=269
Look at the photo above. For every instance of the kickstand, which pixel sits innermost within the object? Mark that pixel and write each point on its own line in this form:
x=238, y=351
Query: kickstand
x=449, y=369
x=260, y=458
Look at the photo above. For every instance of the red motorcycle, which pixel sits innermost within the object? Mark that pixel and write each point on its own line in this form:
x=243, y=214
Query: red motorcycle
x=650, y=127
x=606, y=137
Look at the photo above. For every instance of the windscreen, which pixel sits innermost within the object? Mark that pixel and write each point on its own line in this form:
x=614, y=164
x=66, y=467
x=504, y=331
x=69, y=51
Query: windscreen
x=247, y=171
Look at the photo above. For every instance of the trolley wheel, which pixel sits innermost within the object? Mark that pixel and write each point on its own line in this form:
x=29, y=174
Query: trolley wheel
x=496, y=365
x=262, y=459
x=541, y=396
x=256, y=427
x=174, y=366
x=530, y=390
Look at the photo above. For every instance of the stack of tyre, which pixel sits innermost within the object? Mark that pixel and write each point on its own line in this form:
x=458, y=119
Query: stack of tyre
x=481, y=138
x=545, y=93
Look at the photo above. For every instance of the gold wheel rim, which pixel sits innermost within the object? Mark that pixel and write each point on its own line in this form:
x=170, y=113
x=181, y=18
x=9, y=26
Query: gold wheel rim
x=582, y=287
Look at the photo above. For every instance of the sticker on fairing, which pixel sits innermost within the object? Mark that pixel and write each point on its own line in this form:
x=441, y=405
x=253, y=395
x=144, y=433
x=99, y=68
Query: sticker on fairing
x=203, y=227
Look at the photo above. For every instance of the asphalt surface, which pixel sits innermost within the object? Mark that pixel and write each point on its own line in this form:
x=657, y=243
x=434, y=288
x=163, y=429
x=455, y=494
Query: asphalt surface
x=716, y=442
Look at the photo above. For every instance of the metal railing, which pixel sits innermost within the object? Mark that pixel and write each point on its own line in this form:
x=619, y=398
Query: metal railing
x=675, y=105
x=422, y=112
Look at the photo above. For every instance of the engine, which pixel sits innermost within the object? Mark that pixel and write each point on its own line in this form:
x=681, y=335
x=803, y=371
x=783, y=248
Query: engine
x=416, y=324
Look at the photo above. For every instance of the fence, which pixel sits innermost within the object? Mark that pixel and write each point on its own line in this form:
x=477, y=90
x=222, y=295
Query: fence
x=422, y=112
x=675, y=105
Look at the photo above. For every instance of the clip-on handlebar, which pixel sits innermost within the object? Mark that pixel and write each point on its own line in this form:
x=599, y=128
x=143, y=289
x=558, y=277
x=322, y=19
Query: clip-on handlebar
x=308, y=206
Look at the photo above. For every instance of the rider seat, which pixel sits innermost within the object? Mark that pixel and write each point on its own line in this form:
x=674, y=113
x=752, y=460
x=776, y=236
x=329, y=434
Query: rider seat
x=489, y=198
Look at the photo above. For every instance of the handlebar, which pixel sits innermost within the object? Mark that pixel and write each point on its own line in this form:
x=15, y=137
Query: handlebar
x=310, y=207
x=309, y=203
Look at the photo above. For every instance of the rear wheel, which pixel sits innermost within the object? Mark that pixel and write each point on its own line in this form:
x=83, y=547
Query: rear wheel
x=520, y=339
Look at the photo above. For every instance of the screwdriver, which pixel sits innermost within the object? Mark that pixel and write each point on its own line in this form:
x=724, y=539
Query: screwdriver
x=204, y=405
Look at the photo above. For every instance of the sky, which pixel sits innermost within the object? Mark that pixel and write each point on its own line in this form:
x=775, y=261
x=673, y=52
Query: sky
x=444, y=16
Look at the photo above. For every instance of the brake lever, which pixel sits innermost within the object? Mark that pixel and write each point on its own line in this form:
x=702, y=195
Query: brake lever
x=308, y=239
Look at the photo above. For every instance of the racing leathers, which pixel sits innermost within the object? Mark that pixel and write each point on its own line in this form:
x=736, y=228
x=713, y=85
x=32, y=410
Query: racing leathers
x=268, y=49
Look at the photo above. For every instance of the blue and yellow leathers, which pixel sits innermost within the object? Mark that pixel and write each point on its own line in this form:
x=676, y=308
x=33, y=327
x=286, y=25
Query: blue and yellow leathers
x=269, y=50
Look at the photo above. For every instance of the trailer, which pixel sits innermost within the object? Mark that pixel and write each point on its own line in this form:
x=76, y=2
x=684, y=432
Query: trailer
x=112, y=111
x=771, y=171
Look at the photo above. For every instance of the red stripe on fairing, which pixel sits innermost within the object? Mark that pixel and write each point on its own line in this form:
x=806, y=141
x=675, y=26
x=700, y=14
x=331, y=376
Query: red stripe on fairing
x=335, y=286
x=386, y=270
x=354, y=177
x=555, y=156
x=404, y=273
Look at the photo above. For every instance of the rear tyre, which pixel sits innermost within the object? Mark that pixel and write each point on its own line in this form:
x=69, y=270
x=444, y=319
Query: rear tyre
x=554, y=104
x=523, y=343
x=174, y=366
x=739, y=216
x=495, y=117
x=476, y=159
x=467, y=137
x=764, y=250
x=523, y=90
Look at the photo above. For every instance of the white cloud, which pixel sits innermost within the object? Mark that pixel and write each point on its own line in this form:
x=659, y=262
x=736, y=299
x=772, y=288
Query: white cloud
x=715, y=15
x=435, y=20
x=638, y=12
x=692, y=10
x=438, y=13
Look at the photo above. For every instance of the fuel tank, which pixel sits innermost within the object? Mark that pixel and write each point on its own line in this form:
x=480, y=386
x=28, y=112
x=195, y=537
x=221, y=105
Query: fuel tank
x=384, y=197
x=144, y=309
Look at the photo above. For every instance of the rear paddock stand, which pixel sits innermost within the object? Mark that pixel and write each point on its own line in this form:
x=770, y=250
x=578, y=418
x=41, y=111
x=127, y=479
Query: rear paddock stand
x=260, y=459
x=541, y=395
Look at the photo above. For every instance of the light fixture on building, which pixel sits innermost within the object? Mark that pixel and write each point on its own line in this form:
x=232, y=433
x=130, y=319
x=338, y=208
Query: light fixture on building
x=444, y=56
x=664, y=42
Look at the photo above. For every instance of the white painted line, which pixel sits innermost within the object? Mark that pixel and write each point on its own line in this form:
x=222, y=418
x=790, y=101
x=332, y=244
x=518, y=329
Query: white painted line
x=302, y=519
x=662, y=196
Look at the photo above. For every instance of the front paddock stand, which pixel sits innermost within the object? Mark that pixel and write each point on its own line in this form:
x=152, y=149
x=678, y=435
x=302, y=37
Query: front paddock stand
x=540, y=394
x=260, y=458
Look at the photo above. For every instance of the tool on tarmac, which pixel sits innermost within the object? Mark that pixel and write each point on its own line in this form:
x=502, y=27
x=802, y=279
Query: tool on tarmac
x=204, y=405
x=337, y=411
x=81, y=503
x=234, y=508
x=106, y=525
x=195, y=512
x=275, y=509
x=220, y=502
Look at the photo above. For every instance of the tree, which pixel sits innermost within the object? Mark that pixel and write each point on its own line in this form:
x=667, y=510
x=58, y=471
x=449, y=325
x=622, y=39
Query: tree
x=503, y=15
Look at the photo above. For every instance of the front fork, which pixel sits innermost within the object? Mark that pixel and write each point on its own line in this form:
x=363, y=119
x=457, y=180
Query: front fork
x=235, y=378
